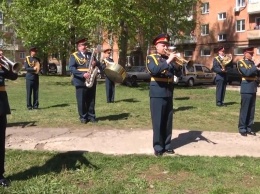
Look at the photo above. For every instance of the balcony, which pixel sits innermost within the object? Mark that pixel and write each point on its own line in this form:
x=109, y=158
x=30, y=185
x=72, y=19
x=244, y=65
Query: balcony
x=253, y=7
x=186, y=40
x=253, y=34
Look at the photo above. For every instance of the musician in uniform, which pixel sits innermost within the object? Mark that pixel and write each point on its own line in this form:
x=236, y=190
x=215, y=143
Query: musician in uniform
x=162, y=70
x=80, y=67
x=248, y=89
x=32, y=65
x=4, y=111
x=221, y=77
x=110, y=85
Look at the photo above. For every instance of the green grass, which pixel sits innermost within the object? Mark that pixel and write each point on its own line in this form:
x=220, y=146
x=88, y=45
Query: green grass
x=33, y=172
x=195, y=107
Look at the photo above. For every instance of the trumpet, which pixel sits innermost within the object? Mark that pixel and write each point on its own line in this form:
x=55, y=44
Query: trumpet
x=5, y=62
x=180, y=61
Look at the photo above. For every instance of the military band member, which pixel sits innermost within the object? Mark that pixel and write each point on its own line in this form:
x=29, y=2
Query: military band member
x=4, y=111
x=162, y=70
x=221, y=77
x=248, y=90
x=80, y=68
x=32, y=65
x=110, y=85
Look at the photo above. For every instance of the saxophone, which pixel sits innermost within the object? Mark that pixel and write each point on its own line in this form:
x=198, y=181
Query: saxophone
x=93, y=72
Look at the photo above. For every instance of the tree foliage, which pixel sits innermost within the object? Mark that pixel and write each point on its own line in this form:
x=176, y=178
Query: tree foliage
x=53, y=24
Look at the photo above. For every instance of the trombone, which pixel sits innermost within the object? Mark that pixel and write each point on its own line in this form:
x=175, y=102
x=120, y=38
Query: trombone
x=5, y=62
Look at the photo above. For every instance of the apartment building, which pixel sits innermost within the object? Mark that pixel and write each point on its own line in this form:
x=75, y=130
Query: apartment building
x=235, y=24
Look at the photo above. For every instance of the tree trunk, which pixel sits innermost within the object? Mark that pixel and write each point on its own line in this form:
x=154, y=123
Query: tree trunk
x=123, y=44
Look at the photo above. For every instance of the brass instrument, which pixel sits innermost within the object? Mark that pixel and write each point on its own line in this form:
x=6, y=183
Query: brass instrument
x=37, y=66
x=178, y=60
x=226, y=60
x=114, y=72
x=16, y=67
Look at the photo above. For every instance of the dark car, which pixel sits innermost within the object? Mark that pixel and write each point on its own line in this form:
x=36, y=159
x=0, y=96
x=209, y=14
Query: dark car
x=52, y=68
x=136, y=73
x=232, y=74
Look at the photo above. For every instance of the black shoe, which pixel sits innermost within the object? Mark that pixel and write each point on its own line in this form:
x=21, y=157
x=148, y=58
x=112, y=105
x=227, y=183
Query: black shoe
x=158, y=153
x=170, y=151
x=83, y=121
x=243, y=133
x=93, y=121
x=223, y=105
x=251, y=133
x=4, y=182
x=35, y=107
x=29, y=108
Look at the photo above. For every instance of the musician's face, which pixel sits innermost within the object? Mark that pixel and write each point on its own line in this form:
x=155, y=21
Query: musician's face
x=160, y=47
x=82, y=47
x=107, y=54
x=33, y=53
x=222, y=52
x=249, y=55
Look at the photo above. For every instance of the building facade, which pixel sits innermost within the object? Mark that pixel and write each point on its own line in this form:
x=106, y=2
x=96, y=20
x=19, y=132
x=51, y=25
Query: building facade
x=235, y=24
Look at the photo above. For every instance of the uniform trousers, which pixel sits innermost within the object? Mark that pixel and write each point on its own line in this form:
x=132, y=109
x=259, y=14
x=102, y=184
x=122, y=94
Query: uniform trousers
x=220, y=91
x=247, y=112
x=162, y=118
x=3, y=123
x=110, y=90
x=86, y=102
x=32, y=88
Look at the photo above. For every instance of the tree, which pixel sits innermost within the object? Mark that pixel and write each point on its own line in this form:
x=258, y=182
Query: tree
x=52, y=25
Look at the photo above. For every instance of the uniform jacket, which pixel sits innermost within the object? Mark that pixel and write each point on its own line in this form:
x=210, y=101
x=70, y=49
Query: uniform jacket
x=158, y=68
x=5, y=74
x=78, y=66
x=249, y=72
x=217, y=69
x=31, y=75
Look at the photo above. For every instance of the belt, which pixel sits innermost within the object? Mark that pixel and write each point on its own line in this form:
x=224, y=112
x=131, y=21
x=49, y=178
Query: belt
x=2, y=88
x=83, y=69
x=249, y=78
x=160, y=79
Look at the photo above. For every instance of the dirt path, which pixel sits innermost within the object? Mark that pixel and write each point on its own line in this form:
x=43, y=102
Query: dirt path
x=131, y=141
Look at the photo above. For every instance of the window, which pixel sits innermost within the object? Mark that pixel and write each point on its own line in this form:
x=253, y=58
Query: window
x=238, y=51
x=222, y=16
x=206, y=70
x=22, y=55
x=240, y=3
x=258, y=50
x=188, y=53
x=240, y=25
x=1, y=17
x=205, y=52
x=205, y=8
x=222, y=37
x=1, y=42
x=205, y=29
x=198, y=68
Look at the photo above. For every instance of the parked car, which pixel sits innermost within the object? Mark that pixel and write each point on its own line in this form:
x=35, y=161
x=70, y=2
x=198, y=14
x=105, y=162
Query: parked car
x=196, y=74
x=52, y=68
x=232, y=74
x=136, y=73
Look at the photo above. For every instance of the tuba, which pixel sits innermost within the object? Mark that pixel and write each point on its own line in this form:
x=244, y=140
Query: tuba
x=16, y=67
x=114, y=71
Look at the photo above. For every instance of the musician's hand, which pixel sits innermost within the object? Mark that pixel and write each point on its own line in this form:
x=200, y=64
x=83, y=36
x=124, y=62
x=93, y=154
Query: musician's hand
x=34, y=68
x=171, y=57
x=86, y=75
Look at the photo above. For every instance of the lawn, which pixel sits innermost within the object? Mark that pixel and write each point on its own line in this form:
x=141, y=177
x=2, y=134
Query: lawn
x=33, y=172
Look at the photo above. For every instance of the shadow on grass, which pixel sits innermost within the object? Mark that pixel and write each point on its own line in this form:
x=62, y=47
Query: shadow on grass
x=230, y=103
x=71, y=160
x=55, y=106
x=128, y=100
x=189, y=137
x=182, y=98
x=122, y=116
x=183, y=108
x=22, y=124
x=256, y=127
